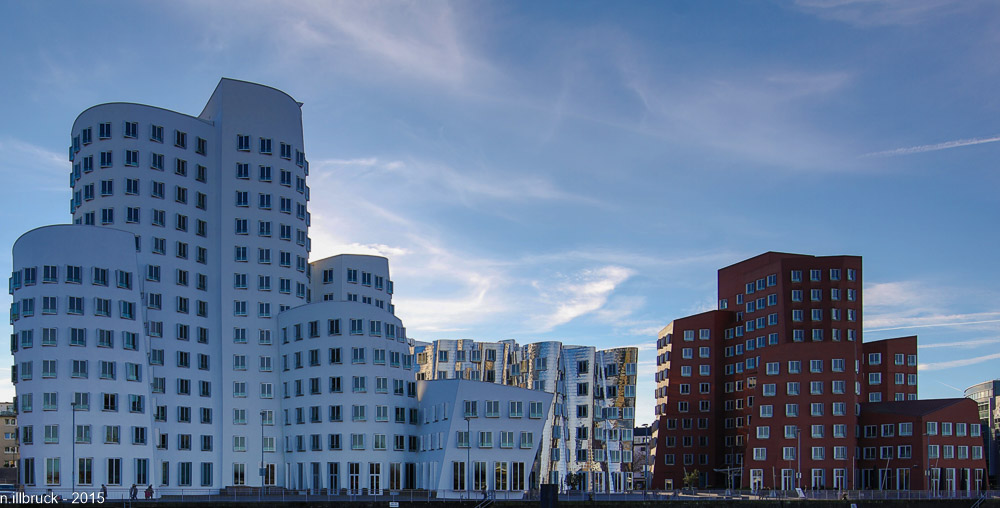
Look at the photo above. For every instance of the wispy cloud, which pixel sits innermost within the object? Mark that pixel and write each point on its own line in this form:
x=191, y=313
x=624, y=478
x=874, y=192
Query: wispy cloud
x=441, y=182
x=429, y=42
x=888, y=323
x=964, y=362
x=587, y=292
x=35, y=166
x=875, y=13
x=934, y=147
x=20, y=153
x=760, y=117
x=911, y=304
x=970, y=344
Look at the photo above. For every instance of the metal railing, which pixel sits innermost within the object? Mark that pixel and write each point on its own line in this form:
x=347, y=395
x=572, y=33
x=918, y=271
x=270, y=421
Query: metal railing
x=279, y=494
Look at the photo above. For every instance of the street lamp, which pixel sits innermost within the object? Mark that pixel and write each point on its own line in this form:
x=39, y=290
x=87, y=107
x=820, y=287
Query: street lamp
x=647, y=436
x=73, y=445
x=263, y=469
x=798, y=457
x=468, y=454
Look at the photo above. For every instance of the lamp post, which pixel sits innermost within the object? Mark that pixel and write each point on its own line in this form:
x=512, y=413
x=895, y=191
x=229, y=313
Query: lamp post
x=263, y=469
x=647, y=436
x=798, y=457
x=468, y=454
x=73, y=446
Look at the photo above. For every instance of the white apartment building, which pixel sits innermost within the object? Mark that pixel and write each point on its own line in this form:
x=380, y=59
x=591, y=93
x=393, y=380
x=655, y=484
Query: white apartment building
x=176, y=335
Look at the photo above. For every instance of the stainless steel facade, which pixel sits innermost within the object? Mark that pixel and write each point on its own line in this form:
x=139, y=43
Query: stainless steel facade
x=590, y=426
x=987, y=395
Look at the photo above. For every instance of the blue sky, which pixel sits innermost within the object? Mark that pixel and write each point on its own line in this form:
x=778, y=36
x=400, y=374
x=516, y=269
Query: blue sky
x=578, y=171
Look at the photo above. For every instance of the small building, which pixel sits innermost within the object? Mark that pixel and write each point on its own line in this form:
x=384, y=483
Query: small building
x=8, y=443
x=932, y=444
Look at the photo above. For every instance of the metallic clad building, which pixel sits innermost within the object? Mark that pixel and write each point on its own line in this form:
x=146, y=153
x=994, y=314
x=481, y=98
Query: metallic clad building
x=987, y=396
x=589, y=429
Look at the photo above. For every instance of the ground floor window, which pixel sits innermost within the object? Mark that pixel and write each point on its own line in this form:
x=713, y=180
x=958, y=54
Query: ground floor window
x=239, y=474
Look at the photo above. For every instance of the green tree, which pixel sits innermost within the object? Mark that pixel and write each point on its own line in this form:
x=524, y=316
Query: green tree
x=691, y=479
x=574, y=480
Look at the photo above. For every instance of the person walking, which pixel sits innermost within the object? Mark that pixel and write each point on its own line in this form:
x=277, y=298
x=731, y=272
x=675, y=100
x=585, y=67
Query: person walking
x=133, y=493
x=104, y=491
x=149, y=491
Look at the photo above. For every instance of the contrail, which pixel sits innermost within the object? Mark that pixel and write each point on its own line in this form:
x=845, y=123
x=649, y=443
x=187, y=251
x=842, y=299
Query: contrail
x=933, y=325
x=959, y=390
x=930, y=148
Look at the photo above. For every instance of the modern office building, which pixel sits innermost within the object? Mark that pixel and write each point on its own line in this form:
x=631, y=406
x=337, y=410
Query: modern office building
x=591, y=423
x=767, y=390
x=176, y=335
x=987, y=397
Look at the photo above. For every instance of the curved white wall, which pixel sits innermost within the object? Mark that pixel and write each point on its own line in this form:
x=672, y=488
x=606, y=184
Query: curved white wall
x=91, y=358
x=348, y=388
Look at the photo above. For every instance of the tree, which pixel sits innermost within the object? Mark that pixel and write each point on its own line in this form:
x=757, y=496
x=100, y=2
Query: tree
x=691, y=479
x=575, y=480
x=639, y=460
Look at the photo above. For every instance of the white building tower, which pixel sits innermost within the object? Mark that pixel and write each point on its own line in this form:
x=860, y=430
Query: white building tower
x=217, y=209
x=166, y=337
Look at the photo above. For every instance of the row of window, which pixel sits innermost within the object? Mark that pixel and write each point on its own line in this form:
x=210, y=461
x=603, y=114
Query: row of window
x=815, y=409
x=798, y=315
x=816, y=453
x=157, y=191
x=877, y=396
x=106, y=160
x=73, y=274
x=946, y=429
x=899, y=378
x=359, y=355
x=264, y=258
x=815, y=431
x=81, y=400
x=130, y=130
x=333, y=328
x=817, y=275
x=82, y=435
x=359, y=413
x=265, y=145
x=491, y=409
x=113, y=472
x=898, y=359
x=505, y=439
x=25, y=339
x=359, y=384
x=133, y=215
x=837, y=387
x=74, y=306
x=78, y=369
x=366, y=279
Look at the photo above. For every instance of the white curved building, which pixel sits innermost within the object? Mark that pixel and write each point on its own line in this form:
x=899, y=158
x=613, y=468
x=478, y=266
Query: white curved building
x=166, y=336
x=348, y=384
x=78, y=344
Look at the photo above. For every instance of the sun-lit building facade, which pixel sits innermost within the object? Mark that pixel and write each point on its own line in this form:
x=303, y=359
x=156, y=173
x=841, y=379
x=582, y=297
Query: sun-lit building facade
x=176, y=334
x=770, y=389
x=590, y=427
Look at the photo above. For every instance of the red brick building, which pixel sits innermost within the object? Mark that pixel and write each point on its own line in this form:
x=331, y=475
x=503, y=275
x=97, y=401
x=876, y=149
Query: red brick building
x=890, y=370
x=921, y=445
x=766, y=391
